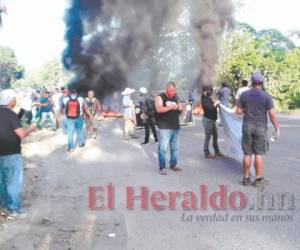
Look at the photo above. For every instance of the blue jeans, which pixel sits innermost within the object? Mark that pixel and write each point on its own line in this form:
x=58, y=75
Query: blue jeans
x=168, y=138
x=75, y=126
x=11, y=180
x=64, y=124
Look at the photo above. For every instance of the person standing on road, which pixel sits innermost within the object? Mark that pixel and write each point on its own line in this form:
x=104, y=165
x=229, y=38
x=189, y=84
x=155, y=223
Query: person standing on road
x=209, y=122
x=62, y=116
x=26, y=108
x=47, y=109
x=11, y=163
x=241, y=90
x=75, y=106
x=148, y=115
x=95, y=109
x=224, y=94
x=256, y=105
x=168, y=108
x=129, y=114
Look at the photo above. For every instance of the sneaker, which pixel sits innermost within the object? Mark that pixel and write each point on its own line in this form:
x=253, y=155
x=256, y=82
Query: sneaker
x=82, y=145
x=246, y=181
x=70, y=150
x=145, y=142
x=260, y=182
x=156, y=140
x=18, y=216
x=163, y=171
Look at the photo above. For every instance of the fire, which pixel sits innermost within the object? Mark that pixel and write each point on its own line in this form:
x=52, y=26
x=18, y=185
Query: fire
x=112, y=114
x=198, y=110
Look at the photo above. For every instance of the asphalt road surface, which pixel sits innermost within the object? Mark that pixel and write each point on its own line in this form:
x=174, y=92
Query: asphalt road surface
x=56, y=193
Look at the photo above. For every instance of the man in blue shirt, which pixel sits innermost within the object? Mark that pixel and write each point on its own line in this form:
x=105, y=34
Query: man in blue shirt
x=224, y=94
x=256, y=105
x=46, y=109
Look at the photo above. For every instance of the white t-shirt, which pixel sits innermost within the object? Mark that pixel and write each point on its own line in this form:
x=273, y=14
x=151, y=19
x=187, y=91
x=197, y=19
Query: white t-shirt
x=240, y=92
x=26, y=103
x=55, y=99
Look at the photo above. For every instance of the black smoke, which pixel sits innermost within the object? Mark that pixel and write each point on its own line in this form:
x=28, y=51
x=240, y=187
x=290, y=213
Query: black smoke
x=106, y=39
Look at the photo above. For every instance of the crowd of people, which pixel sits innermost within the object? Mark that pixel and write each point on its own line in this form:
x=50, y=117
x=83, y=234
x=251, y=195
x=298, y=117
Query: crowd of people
x=67, y=110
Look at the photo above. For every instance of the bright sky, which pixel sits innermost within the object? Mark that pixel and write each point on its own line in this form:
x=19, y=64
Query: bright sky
x=35, y=28
x=264, y=14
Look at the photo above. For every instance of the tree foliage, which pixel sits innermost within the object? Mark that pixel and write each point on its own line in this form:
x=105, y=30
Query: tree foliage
x=49, y=76
x=10, y=70
x=268, y=51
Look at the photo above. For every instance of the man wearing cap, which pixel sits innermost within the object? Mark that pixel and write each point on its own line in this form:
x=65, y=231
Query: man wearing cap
x=148, y=115
x=256, y=105
x=168, y=108
x=11, y=163
x=129, y=114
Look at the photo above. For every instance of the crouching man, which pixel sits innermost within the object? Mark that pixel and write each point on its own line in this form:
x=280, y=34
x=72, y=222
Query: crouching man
x=11, y=163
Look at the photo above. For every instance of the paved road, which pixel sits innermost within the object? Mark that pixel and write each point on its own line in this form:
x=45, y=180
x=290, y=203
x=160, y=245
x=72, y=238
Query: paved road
x=56, y=192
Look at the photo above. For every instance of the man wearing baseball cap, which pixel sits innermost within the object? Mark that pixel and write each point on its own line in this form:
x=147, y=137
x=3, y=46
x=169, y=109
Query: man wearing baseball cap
x=11, y=163
x=256, y=105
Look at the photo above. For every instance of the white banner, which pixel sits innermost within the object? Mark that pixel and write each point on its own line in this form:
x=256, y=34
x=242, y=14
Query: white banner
x=232, y=125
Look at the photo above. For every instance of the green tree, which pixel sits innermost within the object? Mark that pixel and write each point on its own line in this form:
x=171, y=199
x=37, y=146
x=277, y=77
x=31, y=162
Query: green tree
x=244, y=53
x=10, y=70
x=50, y=75
x=287, y=88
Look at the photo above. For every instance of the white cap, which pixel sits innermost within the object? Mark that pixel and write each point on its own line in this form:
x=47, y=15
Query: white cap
x=6, y=96
x=128, y=91
x=143, y=90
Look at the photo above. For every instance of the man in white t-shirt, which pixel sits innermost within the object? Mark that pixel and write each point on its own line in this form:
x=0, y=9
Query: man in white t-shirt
x=241, y=90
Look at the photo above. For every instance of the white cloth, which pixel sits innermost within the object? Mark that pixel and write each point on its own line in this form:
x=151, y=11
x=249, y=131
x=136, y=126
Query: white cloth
x=240, y=92
x=232, y=125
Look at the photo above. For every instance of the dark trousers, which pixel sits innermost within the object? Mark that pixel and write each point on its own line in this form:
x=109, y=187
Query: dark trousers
x=27, y=114
x=210, y=130
x=150, y=123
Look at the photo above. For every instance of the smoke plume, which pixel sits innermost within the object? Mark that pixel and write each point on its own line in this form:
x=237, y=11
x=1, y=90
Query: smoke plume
x=107, y=38
x=210, y=19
